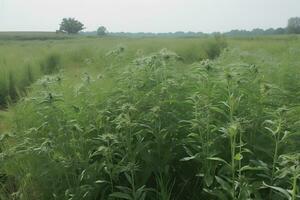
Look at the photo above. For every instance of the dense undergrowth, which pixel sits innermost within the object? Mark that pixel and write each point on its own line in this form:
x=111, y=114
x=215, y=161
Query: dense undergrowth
x=153, y=126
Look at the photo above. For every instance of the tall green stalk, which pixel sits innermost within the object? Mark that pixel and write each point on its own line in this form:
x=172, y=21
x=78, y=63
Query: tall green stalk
x=232, y=103
x=294, y=190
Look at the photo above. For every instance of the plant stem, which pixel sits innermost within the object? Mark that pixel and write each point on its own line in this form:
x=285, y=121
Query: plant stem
x=233, y=165
x=274, y=165
x=232, y=138
x=133, y=185
x=274, y=161
x=240, y=151
x=294, y=187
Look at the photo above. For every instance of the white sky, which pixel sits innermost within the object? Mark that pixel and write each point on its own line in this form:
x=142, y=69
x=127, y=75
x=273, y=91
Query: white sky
x=148, y=15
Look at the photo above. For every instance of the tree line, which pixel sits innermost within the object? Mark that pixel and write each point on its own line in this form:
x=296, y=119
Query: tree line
x=73, y=26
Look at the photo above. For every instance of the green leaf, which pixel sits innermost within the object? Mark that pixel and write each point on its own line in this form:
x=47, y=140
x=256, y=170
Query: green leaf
x=124, y=189
x=226, y=104
x=209, y=179
x=100, y=181
x=224, y=184
x=188, y=151
x=129, y=179
x=271, y=131
x=120, y=195
x=217, y=193
x=218, y=110
x=285, y=136
x=220, y=160
x=249, y=168
x=189, y=158
x=140, y=192
x=269, y=122
x=245, y=150
x=279, y=189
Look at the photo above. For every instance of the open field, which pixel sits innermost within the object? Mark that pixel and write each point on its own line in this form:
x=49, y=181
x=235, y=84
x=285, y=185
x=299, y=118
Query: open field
x=150, y=118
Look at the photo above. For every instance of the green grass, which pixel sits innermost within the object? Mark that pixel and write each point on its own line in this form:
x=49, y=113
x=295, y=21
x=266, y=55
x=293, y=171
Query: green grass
x=138, y=119
x=4, y=36
x=22, y=62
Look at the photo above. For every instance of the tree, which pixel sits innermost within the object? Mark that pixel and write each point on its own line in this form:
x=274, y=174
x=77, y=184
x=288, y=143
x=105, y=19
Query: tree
x=294, y=25
x=71, y=26
x=101, y=31
x=280, y=31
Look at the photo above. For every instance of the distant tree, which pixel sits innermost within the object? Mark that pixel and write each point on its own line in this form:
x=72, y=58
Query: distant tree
x=294, y=25
x=179, y=33
x=101, y=31
x=71, y=26
x=279, y=31
x=270, y=31
x=256, y=31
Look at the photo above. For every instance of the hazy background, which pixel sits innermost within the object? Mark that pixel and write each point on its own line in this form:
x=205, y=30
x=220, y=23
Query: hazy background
x=148, y=15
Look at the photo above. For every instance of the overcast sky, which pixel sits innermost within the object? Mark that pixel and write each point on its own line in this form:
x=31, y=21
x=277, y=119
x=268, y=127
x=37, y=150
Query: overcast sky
x=148, y=15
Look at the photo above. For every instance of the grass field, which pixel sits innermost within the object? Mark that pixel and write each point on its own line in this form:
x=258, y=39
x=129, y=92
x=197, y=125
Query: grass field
x=22, y=36
x=150, y=118
x=22, y=62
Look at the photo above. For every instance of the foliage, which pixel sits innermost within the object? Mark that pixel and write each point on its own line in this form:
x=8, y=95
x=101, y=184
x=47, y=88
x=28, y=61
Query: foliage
x=139, y=122
x=71, y=25
x=294, y=25
x=101, y=31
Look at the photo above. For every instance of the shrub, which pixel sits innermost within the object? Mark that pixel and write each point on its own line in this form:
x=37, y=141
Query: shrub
x=214, y=47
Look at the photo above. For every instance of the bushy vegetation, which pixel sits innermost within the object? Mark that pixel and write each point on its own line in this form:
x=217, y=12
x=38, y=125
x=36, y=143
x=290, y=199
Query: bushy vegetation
x=160, y=119
x=70, y=26
x=21, y=63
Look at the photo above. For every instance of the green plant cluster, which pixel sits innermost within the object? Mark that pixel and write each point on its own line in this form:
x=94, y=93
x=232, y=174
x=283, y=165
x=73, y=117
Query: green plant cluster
x=155, y=127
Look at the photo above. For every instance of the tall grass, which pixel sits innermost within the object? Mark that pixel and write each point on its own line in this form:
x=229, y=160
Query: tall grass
x=51, y=64
x=21, y=63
